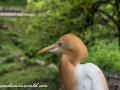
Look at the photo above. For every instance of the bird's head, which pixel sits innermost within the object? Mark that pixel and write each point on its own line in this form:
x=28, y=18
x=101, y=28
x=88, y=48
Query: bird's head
x=68, y=44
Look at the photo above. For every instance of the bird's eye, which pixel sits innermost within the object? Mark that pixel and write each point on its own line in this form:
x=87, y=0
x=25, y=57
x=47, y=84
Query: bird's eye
x=59, y=44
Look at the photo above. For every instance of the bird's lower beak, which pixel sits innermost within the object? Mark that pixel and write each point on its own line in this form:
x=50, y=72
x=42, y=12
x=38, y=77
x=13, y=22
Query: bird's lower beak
x=46, y=49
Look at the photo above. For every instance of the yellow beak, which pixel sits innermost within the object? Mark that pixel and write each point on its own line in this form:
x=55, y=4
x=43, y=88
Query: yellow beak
x=46, y=49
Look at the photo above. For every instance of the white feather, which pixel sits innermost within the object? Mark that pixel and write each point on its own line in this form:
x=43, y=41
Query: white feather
x=90, y=77
x=54, y=50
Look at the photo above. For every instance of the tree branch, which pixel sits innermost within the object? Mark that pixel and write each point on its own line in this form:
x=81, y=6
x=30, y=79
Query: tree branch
x=108, y=15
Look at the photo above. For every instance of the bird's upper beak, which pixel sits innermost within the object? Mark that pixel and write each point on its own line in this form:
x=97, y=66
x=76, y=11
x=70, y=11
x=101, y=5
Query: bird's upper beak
x=49, y=48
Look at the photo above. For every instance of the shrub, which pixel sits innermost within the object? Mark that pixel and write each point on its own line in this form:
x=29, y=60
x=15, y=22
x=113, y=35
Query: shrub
x=106, y=55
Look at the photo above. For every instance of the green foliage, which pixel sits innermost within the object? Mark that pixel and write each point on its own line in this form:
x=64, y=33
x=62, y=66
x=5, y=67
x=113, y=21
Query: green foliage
x=3, y=50
x=19, y=42
x=106, y=55
x=25, y=40
x=30, y=75
x=9, y=59
x=8, y=67
x=37, y=5
x=57, y=18
x=16, y=3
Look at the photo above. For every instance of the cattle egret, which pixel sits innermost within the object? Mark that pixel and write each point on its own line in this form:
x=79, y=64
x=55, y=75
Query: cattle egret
x=75, y=76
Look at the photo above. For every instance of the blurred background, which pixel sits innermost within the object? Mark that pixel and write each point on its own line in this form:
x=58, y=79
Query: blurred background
x=26, y=26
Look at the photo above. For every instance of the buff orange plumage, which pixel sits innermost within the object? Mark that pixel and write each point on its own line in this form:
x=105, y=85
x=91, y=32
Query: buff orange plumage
x=75, y=76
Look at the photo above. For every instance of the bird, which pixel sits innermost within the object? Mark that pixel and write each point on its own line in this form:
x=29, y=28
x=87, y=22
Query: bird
x=73, y=74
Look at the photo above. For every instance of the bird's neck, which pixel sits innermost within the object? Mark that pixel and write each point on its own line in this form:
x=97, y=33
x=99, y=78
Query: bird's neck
x=74, y=57
x=68, y=72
